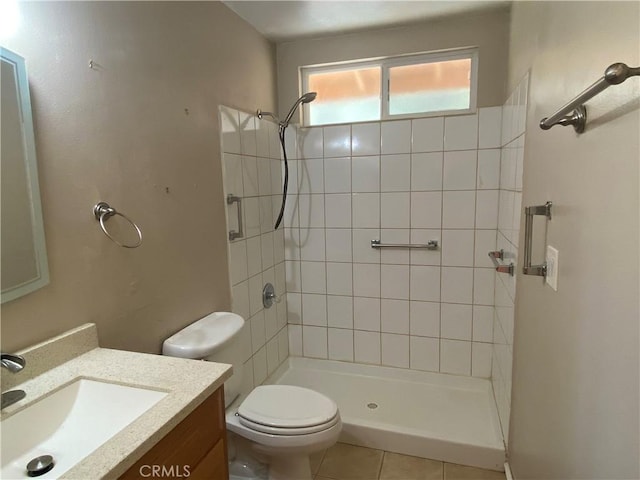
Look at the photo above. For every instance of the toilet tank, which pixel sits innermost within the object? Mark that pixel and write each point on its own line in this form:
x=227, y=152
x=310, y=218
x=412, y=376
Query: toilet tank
x=213, y=338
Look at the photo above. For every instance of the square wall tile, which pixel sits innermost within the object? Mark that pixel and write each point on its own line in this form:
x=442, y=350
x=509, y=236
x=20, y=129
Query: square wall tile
x=294, y=182
x=366, y=314
x=283, y=344
x=425, y=354
x=337, y=141
x=314, y=342
x=250, y=176
x=264, y=176
x=482, y=323
x=487, y=209
x=366, y=347
x=483, y=286
x=362, y=251
x=266, y=245
x=310, y=175
x=461, y=132
x=267, y=219
x=238, y=261
x=458, y=209
x=338, y=244
x=365, y=139
x=291, y=244
x=457, y=285
x=295, y=340
x=427, y=134
x=365, y=174
x=366, y=210
x=488, y=169
x=455, y=357
x=394, y=281
x=251, y=210
x=337, y=175
x=460, y=170
x=311, y=211
x=489, y=127
x=424, y=318
x=340, y=311
x=394, y=316
x=339, y=278
x=292, y=274
x=337, y=210
x=341, y=344
x=424, y=256
x=294, y=308
x=395, y=350
x=396, y=137
x=313, y=275
x=458, y=248
x=395, y=256
x=240, y=299
x=481, y=360
x=425, y=283
x=485, y=243
x=366, y=280
x=260, y=366
x=314, y=310
x=232, y=175
x=394, y=210
x=395, y=173
x=272, y=356
x=455, y=321
x=310, y=142
x=426, y=209
x=255, y=294
x=426, y=171
x=312, y=244
x=258, y=335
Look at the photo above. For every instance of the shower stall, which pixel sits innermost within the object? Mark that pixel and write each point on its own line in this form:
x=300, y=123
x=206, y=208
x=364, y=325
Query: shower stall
x=414, y=344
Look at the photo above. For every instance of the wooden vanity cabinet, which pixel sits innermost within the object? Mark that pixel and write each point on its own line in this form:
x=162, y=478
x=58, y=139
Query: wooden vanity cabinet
x=195, y=449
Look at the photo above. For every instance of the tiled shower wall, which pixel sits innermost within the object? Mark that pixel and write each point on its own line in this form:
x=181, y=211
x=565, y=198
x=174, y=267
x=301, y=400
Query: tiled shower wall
x=509, y=216
x=406, y=181
x=252, y=171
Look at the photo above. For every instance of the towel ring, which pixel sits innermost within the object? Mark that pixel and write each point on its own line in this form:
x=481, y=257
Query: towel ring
x=103, y=211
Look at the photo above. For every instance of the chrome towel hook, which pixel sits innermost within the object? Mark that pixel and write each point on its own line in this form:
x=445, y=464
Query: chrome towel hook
x=103, y=211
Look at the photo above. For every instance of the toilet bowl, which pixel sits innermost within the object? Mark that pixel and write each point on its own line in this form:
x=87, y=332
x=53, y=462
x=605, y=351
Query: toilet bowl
x=283, y=424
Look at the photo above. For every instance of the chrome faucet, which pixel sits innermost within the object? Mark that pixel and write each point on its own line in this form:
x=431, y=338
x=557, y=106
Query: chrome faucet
x=13, y=363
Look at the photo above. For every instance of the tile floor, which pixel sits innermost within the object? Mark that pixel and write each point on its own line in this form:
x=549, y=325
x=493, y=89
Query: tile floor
x=349, y=462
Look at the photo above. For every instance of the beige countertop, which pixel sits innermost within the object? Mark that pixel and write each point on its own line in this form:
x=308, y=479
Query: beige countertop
x=187, y=383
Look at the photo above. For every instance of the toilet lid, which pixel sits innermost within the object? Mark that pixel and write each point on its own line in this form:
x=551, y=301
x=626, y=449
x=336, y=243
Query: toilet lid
x=287, y=406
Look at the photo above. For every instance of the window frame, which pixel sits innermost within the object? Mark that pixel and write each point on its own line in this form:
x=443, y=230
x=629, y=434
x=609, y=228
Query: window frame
x=385, y=64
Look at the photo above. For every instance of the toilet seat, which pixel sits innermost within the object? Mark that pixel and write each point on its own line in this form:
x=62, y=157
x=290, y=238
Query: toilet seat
x=287, y=410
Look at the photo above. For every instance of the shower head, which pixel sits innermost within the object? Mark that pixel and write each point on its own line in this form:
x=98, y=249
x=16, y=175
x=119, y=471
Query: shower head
x=306, y=98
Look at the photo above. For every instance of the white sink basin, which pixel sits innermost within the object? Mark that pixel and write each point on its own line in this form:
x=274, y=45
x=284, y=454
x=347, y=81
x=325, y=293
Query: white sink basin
x=70, y=424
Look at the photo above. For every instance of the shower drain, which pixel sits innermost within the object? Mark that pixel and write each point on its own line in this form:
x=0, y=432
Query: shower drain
x=372, y=405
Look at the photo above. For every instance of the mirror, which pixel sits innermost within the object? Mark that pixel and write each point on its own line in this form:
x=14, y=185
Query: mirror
x=23, y=253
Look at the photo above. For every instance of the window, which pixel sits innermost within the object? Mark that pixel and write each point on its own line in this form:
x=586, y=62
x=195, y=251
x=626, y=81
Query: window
x=398, y=87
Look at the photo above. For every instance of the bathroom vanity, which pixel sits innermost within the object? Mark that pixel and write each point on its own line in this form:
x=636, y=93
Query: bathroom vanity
x=103, y=413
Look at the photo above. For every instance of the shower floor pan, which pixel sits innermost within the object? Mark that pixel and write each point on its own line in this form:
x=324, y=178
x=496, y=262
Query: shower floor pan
x=430, y=415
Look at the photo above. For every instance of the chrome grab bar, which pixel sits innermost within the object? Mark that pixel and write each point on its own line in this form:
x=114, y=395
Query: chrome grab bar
x=613, y=75
x=529, y=212
x=499, y=254
x=231, y=199
x=430, y=245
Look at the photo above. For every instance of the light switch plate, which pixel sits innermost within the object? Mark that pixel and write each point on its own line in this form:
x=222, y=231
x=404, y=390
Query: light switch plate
x=552, y=267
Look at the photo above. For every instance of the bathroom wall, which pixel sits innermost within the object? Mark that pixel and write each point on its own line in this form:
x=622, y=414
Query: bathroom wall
x=139, y=130
x=509, y=216
x=252, y=170
x=406, y=181
x=575, y=400
x=489, y=31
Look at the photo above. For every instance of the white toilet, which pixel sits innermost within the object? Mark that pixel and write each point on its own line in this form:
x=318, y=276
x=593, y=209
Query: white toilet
x=283, y=424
